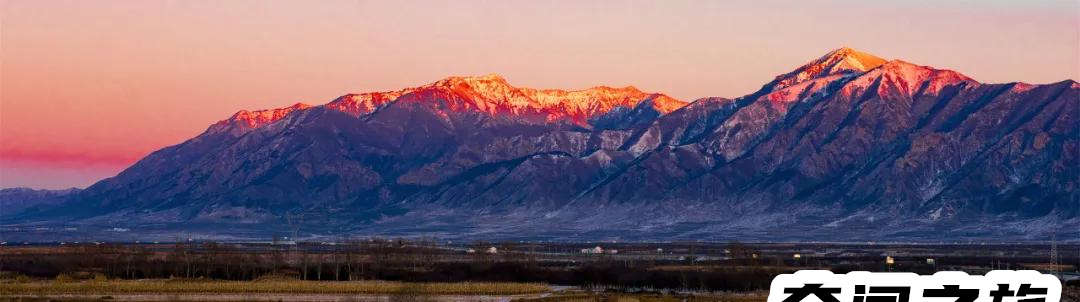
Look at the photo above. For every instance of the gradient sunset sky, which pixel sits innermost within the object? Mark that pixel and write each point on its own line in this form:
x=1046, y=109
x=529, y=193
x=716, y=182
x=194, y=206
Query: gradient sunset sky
x=89, y=87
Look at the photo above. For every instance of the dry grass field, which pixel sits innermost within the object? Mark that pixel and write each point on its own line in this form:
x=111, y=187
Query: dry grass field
x=267, y=287
x=622, y=297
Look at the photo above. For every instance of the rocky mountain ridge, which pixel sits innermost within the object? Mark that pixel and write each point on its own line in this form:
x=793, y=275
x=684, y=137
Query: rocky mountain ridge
x=847, y=147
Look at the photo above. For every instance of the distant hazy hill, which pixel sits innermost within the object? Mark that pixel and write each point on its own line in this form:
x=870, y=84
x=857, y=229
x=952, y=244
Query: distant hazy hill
x=16, y=200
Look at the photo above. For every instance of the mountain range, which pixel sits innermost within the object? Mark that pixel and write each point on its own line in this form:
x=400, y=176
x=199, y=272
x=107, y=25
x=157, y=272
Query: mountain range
x=848, y=147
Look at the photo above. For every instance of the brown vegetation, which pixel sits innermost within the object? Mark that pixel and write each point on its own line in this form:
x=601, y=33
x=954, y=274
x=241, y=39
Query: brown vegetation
x=638, y=267
x=291, y=287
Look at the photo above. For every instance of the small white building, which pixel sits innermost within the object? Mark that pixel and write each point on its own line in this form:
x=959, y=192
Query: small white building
x=612, y=251
x=595, y=250
x=492, y=250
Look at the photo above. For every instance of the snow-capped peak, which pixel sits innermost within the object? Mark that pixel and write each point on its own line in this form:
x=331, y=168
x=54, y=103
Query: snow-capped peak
x=364, y=103
x=845, y=58
x=490, y=93
x=906, y=79
x=254, y=119
x=245, y=120
x=841, y=61
x=493, y=94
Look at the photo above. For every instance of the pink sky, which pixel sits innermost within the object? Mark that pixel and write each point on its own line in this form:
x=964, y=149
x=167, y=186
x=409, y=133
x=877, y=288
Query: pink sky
x=89, y=87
